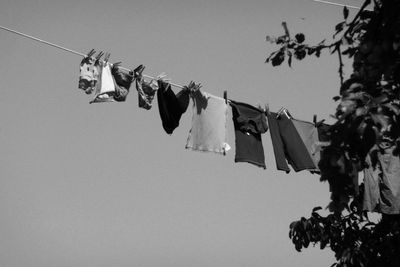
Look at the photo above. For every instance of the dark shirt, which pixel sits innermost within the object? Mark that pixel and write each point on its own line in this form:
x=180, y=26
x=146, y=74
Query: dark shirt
x=171, y=106
x=249, y=123
x=122, y=82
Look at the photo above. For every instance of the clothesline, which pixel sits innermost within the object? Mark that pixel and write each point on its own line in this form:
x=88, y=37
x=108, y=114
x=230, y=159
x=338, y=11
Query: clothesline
x=72, y=51
x=337, y=4
x=282, y=110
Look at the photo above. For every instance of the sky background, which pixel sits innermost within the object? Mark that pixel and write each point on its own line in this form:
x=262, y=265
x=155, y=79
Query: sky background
x=104, y=185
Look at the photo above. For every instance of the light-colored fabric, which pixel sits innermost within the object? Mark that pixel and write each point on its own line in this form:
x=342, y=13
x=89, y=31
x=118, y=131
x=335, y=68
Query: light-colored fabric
x=208, y=132
x=371, y=185
x=309, y=134
x=382, y=181
x=89, y=71
x=106, y=88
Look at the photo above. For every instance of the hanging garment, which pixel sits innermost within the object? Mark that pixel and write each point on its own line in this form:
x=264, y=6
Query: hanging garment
x=122, y=83
x=277, y=143
x=249, y=123
x=146, y=90
x=288, y=144
x=208, y=131
x=309, y=134
x=105, y=89
x=382, y=181
x=171, y=106
x=89, y=70
x=324, y=140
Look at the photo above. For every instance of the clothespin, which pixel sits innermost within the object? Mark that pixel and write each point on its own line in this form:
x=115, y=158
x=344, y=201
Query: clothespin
x=99, y=55
x=137, y=72
x=266, y=109
x=162, y=76
x=287, y=113
x=226, y=102
x=91, y=53
x=107, y=57
x=315, y=120
x=279, y=112
x=226, y=97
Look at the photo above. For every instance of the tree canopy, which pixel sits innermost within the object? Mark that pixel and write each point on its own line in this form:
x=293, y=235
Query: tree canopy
x=367, y=114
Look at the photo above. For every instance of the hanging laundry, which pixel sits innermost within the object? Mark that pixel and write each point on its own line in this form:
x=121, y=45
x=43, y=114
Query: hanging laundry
x=309, y=134
x=208, y=131
x=324, y=138
x=105, y=89
x=249, y=123
x=146, y=90
x=89, y=71
x=277, y=143
x=122, y=82
x=287, y=144
x=171, y=106
x=382, y=179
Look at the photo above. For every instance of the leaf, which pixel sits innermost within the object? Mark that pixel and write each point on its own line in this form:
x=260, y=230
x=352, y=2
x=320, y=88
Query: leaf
x=316, y=208
x=293, y=224
x=339, y=27
x=300, y=53
x=300, y=38
x=350, y=51
x=366, y=14
x=345, y=12
x=336, y=98
x=310, y=51
x=280, y=39
x=393, y=108
x=278, y=59
x=270, y=56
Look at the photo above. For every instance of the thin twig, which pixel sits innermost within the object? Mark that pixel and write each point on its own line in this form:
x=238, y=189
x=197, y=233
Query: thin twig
x=340, y=64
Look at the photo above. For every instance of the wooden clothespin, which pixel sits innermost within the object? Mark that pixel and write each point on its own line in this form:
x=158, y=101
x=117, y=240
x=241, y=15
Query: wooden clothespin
x=106, y=57
x=284, y=111
x=278, y=114
x=226, y=102
x=226, y=97
x=287, y=113
x=266, y=110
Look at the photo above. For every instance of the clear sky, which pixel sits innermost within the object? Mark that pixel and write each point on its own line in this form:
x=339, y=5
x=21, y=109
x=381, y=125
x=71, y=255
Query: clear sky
x=103, y=184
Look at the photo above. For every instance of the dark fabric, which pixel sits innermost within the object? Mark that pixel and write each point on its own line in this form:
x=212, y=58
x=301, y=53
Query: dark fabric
x=309, y=134
x=324, y=140
x=171, y=106
x=286, y=140
x=122, y=82
x=146, y=90
x=296, y=152
x=146, y=93
x=323, y=132
x=249, y=123
x=277, y=143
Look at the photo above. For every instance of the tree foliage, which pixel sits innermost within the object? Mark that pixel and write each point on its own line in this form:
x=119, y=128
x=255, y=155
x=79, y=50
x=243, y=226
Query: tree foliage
x=367, y=113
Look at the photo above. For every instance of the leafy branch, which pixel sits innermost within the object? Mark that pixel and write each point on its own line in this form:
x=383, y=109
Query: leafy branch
x=368, y=114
